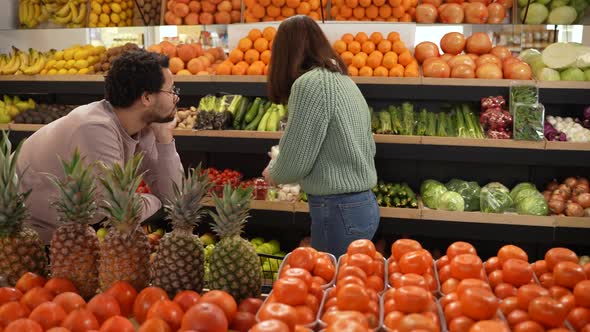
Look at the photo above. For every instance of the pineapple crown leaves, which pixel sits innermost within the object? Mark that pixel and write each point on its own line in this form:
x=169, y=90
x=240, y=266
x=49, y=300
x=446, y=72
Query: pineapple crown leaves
x=76, y=202
x=12, y=202
x=121, y=203
x=184, y=208
x=232, y=211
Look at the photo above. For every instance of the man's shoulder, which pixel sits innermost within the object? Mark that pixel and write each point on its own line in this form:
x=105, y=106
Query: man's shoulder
x=95, y=115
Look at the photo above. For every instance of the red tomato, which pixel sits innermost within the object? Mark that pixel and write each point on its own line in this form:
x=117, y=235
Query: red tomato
x=556, y=255
x=169, y=311
x=9, y=294
x=508, y=305
x=411, y=299
x=547, y=311
x=48, y=315
x=540, y=267
x=568, y=274
x=466, y=266
x=117, y=324
x=361, y=246
x=352, y=297
x=80, y=320
x=478, y=304
x=145, y=299
x=205, y=317
x=528, y=326
x=12, y=311
x=417, y=322
x=104, y=306
x=492, y=264
x=414, y=262
x=517, y=316
x=60, y=285
x=154, y=325
x=223, y=300
x=285, y=313
x=582, y=294
x=579, y=317
x=70, y=301
x=187, y=299
x=402, y=246
x=29, y=281
x=23, y=324
x=362, y=261
x=243, y=321
x=303, y=257
x=472, y=283
x=272, y=325
x=528, y=292
x=36, y=296
x=291, y=291
x=516, y=272
x=504, y=290
x=489, y=326
x=250, y=305
x=125, y=295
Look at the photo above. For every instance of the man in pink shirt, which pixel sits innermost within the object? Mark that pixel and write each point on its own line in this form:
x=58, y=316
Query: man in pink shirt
x=137, y=115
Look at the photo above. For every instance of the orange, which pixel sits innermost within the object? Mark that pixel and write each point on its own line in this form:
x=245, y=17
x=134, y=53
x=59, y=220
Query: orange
x=354, y=47
x=366, y=71
x=345, y=12
x=358, y=61
x=176, y=65
x=389, y=60
x=261, y=44
x=244, y=44
x=405, y=58
x=396, y=71
x=256, y=68
x=347, y=38
x=372, y=12
x=287, y=12
x=340, y=46
x=304, y=8
x=314, y=4
x=269, y=33
x=381, y=71
x=292, y=3
x=364, y=55
x=395, y=3
x=397, y=12
x=411, y=71
x=392, y=19
x=352, y=3
x=273, y=11
x=353, y=71
x=376, y=37
x=278, y=3
x=374, y=60
x=251, y=55
x=240, y=68
x=334, y=12
x=195, y=66
x=385, y=11
x=314, y=15
x=347, y=57
x=223, y=69
x=236, y=55
x=406, y=18
x=361, y=37
x=254, y=34
x=399, y=47
x=407, y=4
x=384, y=46
x=368, y=47
x=265, y=57
x=358, y=13
x=258, y=11
x=365, y=3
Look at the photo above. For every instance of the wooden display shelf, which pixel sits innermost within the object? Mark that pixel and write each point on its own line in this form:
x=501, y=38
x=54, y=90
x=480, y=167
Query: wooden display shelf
x=397, y=139
x=385, y=212
x=570, y=146
x=483, y=142
x=572, y=222
x=489, y=218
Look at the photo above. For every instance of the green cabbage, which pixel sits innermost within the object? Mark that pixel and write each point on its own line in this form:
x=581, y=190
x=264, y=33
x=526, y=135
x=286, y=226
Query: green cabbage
x=451, y=201
x=528, y=192
x=536, y=14
x=548, y=74
x=529, y=55
x=519, y=187
x=431, y=193
x=470, y=191
x=495, y=198
x=534, y=205
x=562, y=15
x=572, y=74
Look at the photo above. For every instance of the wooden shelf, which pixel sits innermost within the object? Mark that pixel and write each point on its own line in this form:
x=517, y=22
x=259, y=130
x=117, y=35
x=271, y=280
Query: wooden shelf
x=572, y=222
x=483, y=142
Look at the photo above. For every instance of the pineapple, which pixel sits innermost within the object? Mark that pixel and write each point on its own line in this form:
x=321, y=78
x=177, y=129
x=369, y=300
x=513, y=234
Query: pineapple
x=74, y=246
x=21, y=248
x=125, y=251
x=180, y=258
x=234, y=263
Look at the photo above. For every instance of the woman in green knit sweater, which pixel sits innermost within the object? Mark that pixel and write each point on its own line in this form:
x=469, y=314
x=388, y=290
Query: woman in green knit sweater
x=328, y=146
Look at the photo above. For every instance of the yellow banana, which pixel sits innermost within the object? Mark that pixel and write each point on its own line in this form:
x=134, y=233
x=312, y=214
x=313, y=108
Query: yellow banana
x=24, y=60
x=35, y=68
x=12, y=66
x=63, y=20
x=21, y=12
x=37, y=10
x=52, y=7
x=63, y=11
x=81, y=14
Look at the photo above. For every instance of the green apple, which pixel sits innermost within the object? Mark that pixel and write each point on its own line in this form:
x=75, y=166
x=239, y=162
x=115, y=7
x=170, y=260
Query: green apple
x=101, y=233
x=207, y=239
x=275, y=245
x=257, y=241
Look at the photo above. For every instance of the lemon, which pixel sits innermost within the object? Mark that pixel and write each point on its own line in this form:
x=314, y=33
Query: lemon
x=72, y=71
x=129, y=12
x=104, y=19
x=98, y=1
x=96, y=8
x=123, y=5
x=50, y=64
x=112, y=25
x=62, y=71
x=101, y=49
x=52, y=72
x=70, y=64
x=123, y=16
x=122, y=24
x=130, y=3
x=91, y=70
x=69, y=54
x=59, y=55
x=83, y=71
x=101, y=25
x=81, y=54
x=92, y=59
x=106, y=9
x=93, y=18
x=129, y=22
x=43, y=72
x=60, y=64
x=92, y=25
x=81, y=64
x=115, y=8
x=115, y=18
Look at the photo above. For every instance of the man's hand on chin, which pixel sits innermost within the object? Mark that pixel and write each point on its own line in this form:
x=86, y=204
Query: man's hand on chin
x=163, y=131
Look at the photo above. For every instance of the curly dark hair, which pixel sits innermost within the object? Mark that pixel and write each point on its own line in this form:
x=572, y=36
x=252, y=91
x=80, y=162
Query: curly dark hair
x=132, y=74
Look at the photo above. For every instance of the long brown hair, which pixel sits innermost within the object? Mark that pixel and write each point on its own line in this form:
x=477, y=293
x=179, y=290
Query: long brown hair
x=299, y=46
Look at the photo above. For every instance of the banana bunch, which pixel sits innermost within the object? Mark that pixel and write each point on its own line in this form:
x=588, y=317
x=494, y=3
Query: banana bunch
x=71, y=13
x=31, y=13
x=23, y=63
x=11, y=107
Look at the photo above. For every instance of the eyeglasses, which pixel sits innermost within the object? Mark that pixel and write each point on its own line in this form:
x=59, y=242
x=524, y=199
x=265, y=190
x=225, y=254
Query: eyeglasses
x=175, y=91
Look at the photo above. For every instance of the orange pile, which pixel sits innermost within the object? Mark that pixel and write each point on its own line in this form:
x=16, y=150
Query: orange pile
x=277, y=10
x=374, y=10
x=376, y=56
x=194, y=12
x=190, y=59
x=252, y=55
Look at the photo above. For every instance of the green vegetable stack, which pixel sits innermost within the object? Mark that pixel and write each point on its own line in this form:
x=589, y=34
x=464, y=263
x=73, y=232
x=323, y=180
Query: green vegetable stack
x=263, y=115
x=219, y=113
x=528, y=114
x=398, y=195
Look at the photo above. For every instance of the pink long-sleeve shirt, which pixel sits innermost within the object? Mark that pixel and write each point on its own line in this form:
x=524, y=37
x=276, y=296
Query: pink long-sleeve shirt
x=96, y=131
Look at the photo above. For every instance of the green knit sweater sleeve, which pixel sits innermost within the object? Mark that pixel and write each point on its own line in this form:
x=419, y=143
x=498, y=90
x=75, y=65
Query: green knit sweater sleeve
x=307, y=126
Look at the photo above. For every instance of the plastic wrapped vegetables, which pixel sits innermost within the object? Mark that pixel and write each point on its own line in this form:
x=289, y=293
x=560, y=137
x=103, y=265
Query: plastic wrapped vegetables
x=470, y=191
x=495, y=198
x=431, y=191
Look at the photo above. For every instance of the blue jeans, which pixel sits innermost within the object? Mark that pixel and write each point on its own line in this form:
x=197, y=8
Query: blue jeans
x=337, y=220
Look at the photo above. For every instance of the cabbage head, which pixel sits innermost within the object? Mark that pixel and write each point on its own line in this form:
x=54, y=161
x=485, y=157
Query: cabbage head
x=519, y=187
x=495, y=198
x=432, y=193
x=534, y=205
x=451, y=201
x=470, y=191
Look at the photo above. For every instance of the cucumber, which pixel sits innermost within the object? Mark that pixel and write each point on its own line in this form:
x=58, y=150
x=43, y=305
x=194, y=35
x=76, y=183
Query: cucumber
x=253, y=111
x=273, y=120
x=264, y=120
x=241, y=113
x=254, y=124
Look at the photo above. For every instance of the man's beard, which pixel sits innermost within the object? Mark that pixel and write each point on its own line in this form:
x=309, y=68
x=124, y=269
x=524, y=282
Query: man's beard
x=154, y=116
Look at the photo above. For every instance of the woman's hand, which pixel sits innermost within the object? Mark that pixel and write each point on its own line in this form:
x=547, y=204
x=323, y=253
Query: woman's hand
x=266, y=175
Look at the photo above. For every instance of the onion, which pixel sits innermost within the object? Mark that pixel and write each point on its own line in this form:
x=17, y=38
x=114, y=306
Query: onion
x=558, y=194
x=488, y=58
x=496, y=13
x=580, y=189
x=584, y=200
x=587, y=212
x=571, y=182
x=553, y=185
x=518, y=71
x=574, y=210
x=547, y=195
x=583, y=180
x=556, y=206
x=426, y=13
x=437, y=68
x=567, y=191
